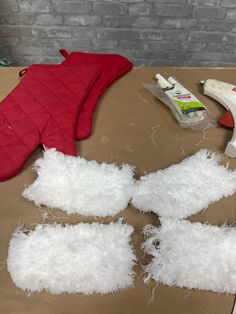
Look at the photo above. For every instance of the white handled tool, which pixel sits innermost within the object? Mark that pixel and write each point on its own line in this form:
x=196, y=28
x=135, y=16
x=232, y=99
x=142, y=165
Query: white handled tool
x=225, y=94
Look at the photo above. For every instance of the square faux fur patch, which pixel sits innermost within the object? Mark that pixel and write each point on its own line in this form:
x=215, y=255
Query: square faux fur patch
x=86, y=258
x=78, y=186
x=192, y=255
x=186, y=188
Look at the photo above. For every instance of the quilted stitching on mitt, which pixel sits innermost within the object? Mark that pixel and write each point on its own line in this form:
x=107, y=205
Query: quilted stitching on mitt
x=42, y=109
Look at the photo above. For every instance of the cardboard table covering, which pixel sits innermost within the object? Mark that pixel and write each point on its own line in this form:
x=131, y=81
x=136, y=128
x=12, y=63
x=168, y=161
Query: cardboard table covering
x=130, y=127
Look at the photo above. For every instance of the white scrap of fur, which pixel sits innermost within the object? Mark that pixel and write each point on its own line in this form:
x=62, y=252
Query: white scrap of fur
x=86, y=258
x=192, y=255
x=76, y=185
x=185, y=188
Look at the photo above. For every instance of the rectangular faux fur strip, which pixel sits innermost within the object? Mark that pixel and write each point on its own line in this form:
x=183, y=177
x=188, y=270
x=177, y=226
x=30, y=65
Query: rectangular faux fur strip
x=192, y=255
x=86, y=258
x=186, y=188
x=76, y=185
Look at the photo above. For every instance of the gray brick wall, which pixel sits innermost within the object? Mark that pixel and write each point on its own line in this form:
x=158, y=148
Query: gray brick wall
x=149, y=32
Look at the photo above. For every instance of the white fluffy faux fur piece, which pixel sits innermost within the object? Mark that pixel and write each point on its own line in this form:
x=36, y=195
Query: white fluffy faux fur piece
x=185, y=188
x=192, y=255
x=76, y=185
x=86, y=258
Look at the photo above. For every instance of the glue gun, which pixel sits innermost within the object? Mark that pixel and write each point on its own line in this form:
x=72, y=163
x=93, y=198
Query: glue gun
x=225, y=94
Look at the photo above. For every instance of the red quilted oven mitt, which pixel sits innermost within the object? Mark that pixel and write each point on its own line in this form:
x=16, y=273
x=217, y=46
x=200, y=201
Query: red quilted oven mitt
x=42, y=109
x=113, y=67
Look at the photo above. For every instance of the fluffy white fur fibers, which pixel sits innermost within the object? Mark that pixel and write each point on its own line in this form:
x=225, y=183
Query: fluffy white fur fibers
x=192, y=255
x=87, y=258
x=76, y=185
x=185, y=188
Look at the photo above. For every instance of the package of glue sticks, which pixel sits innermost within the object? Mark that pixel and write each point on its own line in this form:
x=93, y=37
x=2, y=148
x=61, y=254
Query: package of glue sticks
x=187, y=109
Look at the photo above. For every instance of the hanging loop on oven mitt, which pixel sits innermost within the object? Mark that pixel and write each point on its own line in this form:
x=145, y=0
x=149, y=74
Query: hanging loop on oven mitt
x=186, y=188
x=76, y=185
x=42, y=109
x=113, y=67
x=191, y=255
x=85, y=258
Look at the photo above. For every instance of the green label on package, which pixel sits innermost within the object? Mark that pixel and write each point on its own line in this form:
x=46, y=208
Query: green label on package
x=184, y=101
x=189, y=106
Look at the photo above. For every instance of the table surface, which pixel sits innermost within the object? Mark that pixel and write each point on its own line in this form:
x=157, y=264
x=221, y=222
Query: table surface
x=130, y=126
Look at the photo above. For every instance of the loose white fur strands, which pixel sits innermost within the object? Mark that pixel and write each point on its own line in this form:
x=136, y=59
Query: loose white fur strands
x=192, y=255
x=104, y=139
x=186, y=188
x=129, y=148
x=142, y=98
x=152, y=135
x=182, y=151
x=204, y=137
x=3, y=265
x=76, y=185
x=49, y=216
x=83, y=258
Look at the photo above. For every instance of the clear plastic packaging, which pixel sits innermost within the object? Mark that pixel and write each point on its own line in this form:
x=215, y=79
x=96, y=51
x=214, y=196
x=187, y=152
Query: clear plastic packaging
x=186, y=108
